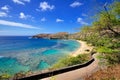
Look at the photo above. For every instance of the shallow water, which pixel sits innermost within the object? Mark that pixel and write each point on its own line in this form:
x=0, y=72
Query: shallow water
x=19, y=53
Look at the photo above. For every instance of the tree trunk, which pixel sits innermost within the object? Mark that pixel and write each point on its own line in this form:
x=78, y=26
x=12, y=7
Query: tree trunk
x=116, y=33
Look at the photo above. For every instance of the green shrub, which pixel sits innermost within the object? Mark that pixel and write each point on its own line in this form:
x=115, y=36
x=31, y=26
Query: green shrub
x=106, y=50
x=69, y=61
x=113, y=58
x=4, y=76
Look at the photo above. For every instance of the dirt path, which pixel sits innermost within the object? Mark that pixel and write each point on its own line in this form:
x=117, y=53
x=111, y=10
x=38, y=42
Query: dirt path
x=79, y=74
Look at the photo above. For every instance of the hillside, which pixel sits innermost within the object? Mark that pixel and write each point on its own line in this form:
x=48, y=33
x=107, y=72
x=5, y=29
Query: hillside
x=60, y=35
x=104, y=34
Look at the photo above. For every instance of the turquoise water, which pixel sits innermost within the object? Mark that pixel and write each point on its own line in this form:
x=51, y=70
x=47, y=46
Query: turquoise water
x=19, y=53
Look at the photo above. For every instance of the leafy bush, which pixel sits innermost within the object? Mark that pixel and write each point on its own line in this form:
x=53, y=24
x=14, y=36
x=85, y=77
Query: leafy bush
x=69, y=61
x=106, y=50
x=4, y=76
x=113, y=59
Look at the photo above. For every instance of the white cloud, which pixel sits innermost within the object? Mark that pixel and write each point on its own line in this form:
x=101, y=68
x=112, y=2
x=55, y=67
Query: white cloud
x=4, y=11
x=43, y=19
x=59, y=20
x=23, y=16
x=5, y=8
x=76, y=4
x=3, y=14
x=80, y=20
x=44, y=6
x=20, y=1
x=15, y=24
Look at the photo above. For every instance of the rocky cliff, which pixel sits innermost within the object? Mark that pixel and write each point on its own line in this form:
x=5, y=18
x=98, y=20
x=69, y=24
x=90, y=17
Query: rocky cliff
x=60, y=35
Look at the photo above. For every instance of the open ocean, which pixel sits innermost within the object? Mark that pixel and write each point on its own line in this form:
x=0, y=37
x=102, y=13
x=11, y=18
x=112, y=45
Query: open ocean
x=20, y=53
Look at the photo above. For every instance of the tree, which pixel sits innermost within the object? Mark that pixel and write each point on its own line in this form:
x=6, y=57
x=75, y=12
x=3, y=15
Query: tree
x=111, y=19
x=116, y=8
x=107, y=19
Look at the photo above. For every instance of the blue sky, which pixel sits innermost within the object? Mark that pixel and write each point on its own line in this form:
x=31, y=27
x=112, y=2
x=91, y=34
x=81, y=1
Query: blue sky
x=30, y=17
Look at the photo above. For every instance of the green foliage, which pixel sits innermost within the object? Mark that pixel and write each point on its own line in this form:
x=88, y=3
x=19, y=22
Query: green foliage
x=102, y=33
x=4, y=76
x=106, y=50
x=116, y=7
x=86, y=28
x=69, y=61
x=110, y=59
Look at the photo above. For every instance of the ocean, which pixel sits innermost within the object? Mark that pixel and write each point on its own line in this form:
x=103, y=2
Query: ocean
x=21, y=53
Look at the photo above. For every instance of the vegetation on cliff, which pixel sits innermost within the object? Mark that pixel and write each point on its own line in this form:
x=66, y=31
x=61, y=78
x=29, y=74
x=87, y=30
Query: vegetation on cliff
x=104, y=34
x=69, y=61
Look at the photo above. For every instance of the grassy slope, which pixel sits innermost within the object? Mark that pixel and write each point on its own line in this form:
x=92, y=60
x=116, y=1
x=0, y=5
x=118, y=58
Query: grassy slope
x=69, y=61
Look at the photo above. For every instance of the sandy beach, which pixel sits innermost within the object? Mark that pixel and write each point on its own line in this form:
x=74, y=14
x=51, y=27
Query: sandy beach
x=82, y=49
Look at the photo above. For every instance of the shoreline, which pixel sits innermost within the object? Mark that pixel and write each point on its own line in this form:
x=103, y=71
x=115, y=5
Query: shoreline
x=81, y=73
x=84, y=48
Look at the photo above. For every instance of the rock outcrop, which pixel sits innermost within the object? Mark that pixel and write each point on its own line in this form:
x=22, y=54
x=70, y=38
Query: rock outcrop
x=60, y=35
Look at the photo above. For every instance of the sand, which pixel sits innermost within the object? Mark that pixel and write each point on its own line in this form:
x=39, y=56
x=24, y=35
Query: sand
x=82, y=49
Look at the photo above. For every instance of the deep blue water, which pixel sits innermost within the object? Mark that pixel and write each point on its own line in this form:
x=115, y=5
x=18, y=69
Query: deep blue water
x=19, y=53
